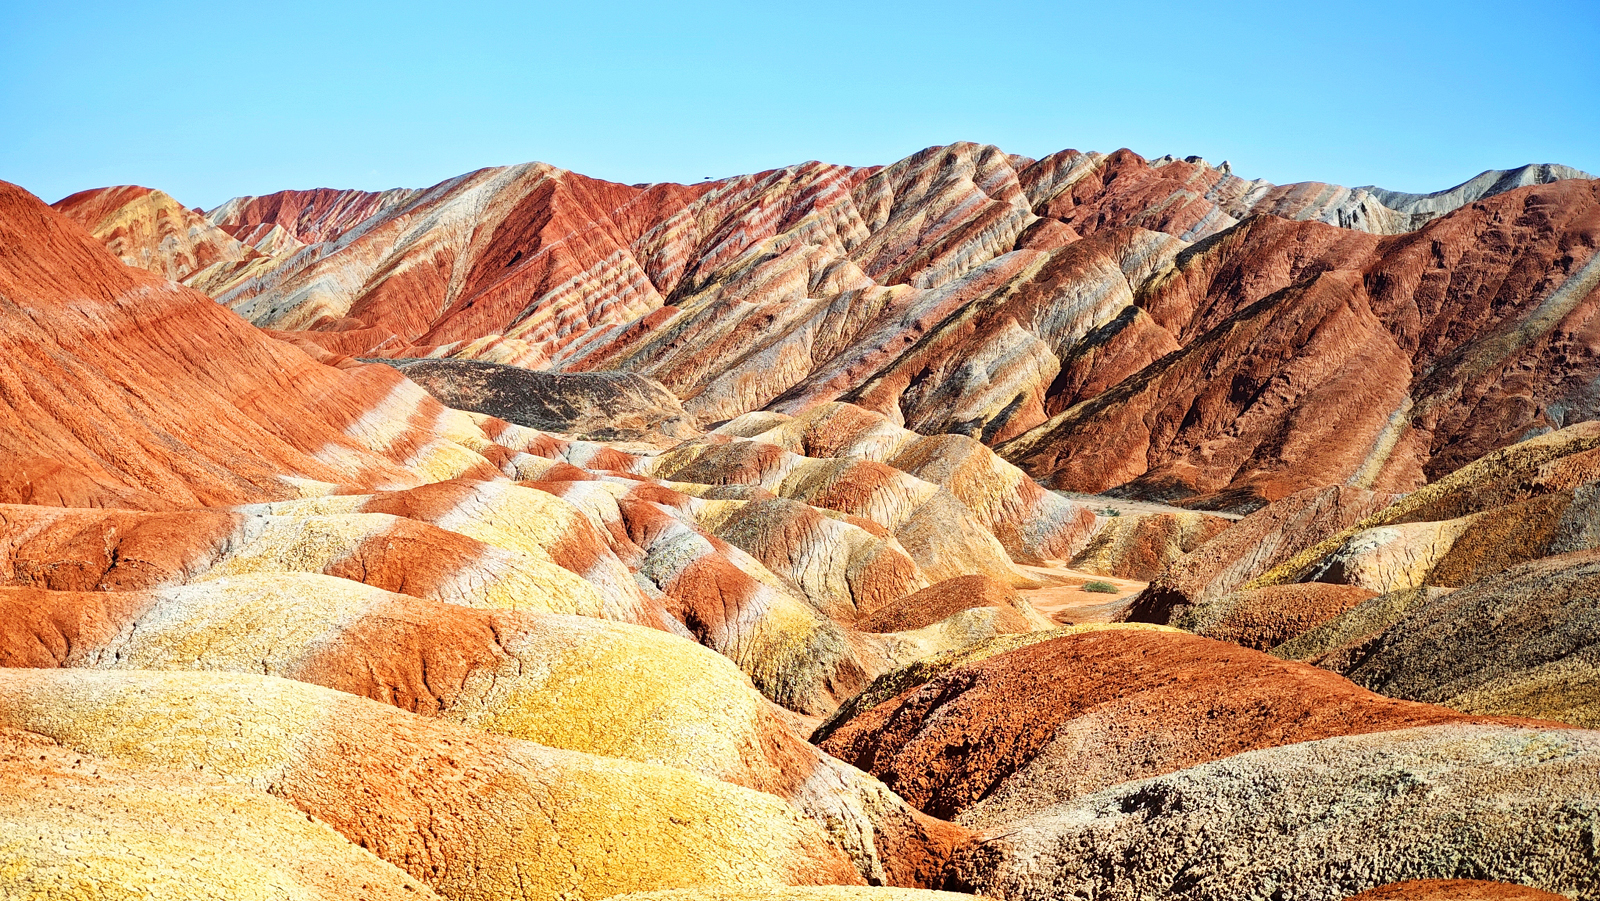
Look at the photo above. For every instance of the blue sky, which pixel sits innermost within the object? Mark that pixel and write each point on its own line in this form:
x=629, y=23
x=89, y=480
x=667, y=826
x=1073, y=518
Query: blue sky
x=207, y=101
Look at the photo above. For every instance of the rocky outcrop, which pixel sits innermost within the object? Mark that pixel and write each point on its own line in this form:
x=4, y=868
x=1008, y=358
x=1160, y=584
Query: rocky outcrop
x=310, y=217
x=1033, y=525
x=1480, y=580
x=929, y=666
x=99, y=550
x=1424, y=207
x=950, y=597
x=1516, y=504
x=1141, y=546
x=1325, y=819
x=152, y=231
x=1253, y=546
x=1263, y=618
x=1521, y=643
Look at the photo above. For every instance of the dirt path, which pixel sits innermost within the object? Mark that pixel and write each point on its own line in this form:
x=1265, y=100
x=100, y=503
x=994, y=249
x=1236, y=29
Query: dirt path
x=1063, y=599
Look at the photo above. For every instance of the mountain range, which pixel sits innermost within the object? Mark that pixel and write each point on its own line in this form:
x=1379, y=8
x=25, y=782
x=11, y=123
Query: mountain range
x=1082, y=527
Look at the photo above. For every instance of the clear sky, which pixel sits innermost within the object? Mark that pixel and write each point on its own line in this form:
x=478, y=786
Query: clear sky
x=208, y=100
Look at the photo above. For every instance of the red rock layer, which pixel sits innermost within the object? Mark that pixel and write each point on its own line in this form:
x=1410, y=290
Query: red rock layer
x=1041, y=303
x=1073, y=715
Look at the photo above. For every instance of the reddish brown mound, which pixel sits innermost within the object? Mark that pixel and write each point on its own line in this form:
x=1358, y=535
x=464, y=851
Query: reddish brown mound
x=1062, y=718
x=1454, y=890
x=151, y=230
x=320, y=214
x=1263, y=618
x=93, y=550
x=947, y=598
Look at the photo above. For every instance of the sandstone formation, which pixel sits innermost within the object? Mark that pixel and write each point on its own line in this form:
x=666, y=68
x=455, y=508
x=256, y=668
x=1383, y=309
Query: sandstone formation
x=1521, y=643
x=1424, y=207
x=1321, y=819
x=1519, y=503
x=1314, y=356
x=150, y=230
x=1252, y=546
x=1338, y=643
x=927, y=667
x=565, y=682
x=1142, y=546
x=507, y=538
x=1263, y=618
x=936, y=602
x=88, y=339
x=1472, y=592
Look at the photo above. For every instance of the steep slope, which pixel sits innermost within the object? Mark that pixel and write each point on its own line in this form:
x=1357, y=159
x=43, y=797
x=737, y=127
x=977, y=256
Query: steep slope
x=1520, y=643
x=1475, y=591
x=1051, y=304
x=120, y=388
x=309, y=217
x=1313, y=356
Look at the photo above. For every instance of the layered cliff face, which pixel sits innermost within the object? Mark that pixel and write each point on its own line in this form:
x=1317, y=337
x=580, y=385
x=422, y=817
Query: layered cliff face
x=1313, y=356
x=1163, y=328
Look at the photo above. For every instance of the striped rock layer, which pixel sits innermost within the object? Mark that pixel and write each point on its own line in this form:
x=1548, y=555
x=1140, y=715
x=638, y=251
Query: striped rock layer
x=1160, y=327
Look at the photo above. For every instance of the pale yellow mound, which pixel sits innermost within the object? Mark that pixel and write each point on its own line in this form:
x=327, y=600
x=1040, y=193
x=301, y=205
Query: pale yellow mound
x=74, y=828
x=474, y=816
